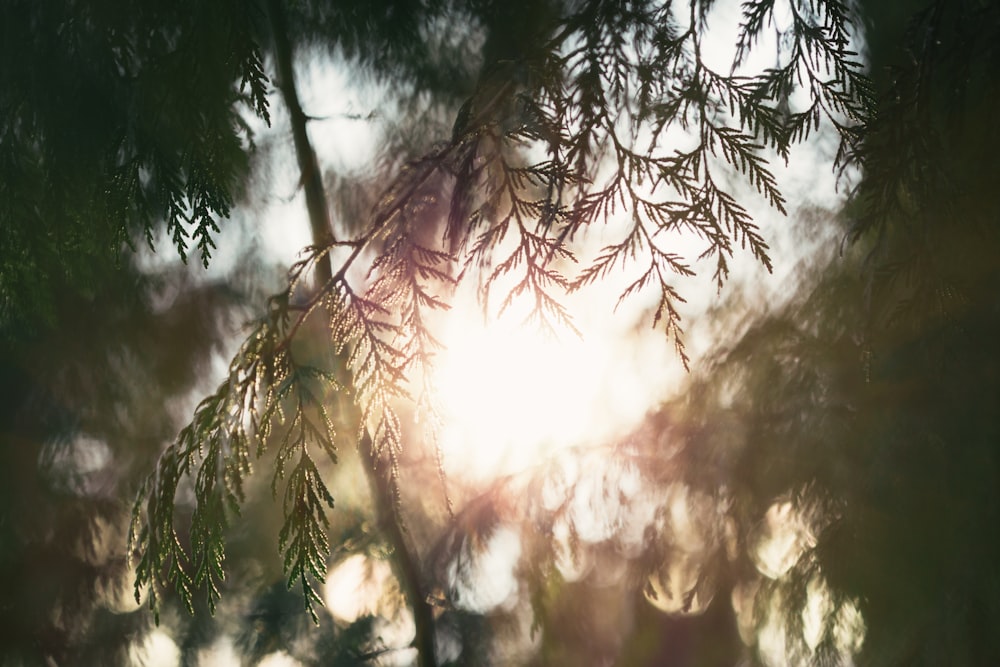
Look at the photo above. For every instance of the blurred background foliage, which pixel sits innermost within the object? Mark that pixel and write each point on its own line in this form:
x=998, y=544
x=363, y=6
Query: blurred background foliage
x=861, y=415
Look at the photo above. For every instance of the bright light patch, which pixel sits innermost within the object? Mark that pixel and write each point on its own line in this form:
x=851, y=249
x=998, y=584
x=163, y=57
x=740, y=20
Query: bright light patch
x=355, y=587
x=512, y=394
x=117, y=594
x=360, y=586
x=763, y=620
x=773, y=646
x=817, y=609
x=674, y=588
x=486, y=580
x=679, y=585
x=156, y=650
x=508, y=391
x=77, y=465
x=849, y=629
x=785, y=535
x=279, y=659
x=221, y=653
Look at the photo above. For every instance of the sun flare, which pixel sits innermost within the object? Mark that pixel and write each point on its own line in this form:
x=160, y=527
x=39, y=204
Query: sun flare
x=512, y=394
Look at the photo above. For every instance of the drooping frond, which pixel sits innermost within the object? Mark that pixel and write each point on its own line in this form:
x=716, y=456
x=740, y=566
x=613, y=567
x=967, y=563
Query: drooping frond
x=266, y=395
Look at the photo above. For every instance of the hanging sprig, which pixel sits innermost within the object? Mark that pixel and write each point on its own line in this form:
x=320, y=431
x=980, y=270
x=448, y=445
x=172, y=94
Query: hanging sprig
x=267, y=393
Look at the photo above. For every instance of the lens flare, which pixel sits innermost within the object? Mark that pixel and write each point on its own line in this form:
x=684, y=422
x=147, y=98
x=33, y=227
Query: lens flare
x=512, y=394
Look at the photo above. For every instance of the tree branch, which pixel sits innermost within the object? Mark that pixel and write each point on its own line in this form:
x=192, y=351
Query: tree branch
x=383, y=495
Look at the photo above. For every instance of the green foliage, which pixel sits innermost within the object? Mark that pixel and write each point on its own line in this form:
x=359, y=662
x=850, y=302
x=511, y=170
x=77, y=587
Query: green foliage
x=82, y=423
x=583, y=115
x=125, y=118
x=267, y=392
x=607, y=111
x=928, y=158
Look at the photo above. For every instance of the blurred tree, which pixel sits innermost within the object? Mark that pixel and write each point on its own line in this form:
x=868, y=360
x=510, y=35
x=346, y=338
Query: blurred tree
x=564, y=93
x=83, y=420
x=114, y=120
x=566, y=115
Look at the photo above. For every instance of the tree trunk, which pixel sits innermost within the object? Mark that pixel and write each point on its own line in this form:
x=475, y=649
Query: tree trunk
x=386, y=508
x=404, y=559
x=311, y=176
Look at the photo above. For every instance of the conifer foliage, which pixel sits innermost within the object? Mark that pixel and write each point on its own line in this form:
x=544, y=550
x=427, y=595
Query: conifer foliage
x=580, y=113
x=854, y=426
x=117, y=120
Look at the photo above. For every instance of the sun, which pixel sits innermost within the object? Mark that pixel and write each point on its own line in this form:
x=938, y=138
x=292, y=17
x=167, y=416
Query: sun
x=512, y=395
x=509, y=393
